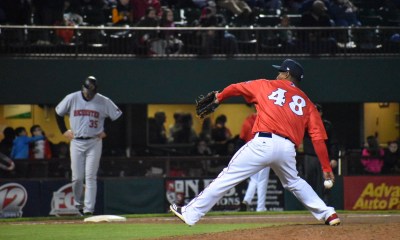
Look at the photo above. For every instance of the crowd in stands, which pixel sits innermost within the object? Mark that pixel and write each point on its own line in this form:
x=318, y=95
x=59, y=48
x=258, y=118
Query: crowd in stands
x=130, y=12
x=217, y=136
x=214, y=140
x=199, y=13
x=18, y=144
x=378, y=160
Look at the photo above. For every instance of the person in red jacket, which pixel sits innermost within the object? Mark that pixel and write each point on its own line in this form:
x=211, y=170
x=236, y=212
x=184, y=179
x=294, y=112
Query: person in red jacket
x=40, y=149
x=284, y=112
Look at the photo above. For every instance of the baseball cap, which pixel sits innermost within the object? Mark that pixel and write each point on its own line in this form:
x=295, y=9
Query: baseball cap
x=293, y=67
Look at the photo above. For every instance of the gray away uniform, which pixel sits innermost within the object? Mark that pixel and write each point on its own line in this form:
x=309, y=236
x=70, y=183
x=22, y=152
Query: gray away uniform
x=86, y=120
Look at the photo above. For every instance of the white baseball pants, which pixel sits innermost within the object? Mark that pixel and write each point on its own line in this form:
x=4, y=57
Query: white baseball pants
x=276, y=152
x=85, y=161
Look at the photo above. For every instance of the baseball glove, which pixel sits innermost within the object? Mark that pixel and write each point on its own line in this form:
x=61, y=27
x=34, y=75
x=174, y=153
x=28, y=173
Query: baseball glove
x=206, y=105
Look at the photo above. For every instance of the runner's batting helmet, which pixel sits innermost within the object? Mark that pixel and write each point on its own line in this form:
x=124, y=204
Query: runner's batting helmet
x=89, y=87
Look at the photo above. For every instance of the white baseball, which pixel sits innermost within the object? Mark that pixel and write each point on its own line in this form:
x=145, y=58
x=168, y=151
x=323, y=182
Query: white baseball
x=328, y=183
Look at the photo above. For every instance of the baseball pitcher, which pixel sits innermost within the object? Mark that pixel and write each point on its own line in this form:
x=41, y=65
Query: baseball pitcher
x=284, y=112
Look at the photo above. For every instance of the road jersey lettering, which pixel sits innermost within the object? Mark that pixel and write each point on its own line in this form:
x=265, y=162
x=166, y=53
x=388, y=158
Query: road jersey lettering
x=296, y=105
x=87, y=118
x=84, y=112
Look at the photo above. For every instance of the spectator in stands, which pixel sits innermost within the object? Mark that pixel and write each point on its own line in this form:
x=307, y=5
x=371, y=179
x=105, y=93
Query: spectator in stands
x=93, y=15
x=40, y=149
x=173, y=45
x=285, y=37
x=177, y=125
x=149, y=38
x=221, y=135
x=156, y=129
x=47, y=13
x=246, y=133
x=6, y=144
x=20, y=150
x=139, y=9
x=73, y=12
x=72, y=17
x=65, y=35
x=344, y=13
x=317, y=40
x=206, y=130
x=391, y=158
x=212, y=38
x=21, y=143
x=121, y=13
x=201, y=148
x=209, y=166
x=186, y=133
x=372, y=156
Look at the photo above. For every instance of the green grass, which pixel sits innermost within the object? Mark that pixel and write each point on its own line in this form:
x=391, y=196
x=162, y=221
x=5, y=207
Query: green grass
x=110, y=231
x=60, y=228
x=160, y=215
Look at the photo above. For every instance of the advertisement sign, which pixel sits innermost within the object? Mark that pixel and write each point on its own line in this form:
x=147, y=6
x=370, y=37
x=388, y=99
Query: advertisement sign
x=17, y=111
x=372, y=193
x=57, y=198
x=62, y=203
x=13, y=198
x=181, y=191
x=36, y=198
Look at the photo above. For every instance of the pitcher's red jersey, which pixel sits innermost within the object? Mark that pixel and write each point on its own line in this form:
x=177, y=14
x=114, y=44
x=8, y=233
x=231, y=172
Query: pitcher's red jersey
x=282, y=108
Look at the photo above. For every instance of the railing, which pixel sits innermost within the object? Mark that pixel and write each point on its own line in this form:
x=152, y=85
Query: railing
x=149, y=166
x=152, y=166
x=128, y=42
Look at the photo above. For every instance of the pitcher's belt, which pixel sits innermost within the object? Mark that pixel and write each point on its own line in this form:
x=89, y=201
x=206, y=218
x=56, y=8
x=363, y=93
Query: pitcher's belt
x=269, y=135
x=84, y=138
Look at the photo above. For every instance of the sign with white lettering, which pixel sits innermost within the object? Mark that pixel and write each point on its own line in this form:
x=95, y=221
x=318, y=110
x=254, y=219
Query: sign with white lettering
x=181, y=191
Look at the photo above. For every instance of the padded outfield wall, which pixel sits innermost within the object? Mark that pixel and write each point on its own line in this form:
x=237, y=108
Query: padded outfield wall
x=45, y=81
x=32, y=198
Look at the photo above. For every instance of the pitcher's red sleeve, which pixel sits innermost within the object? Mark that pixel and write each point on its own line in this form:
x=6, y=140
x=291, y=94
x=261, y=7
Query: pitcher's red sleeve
x=229, y=91
x=322, y=154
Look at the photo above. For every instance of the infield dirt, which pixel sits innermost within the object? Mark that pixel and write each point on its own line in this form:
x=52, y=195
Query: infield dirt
x=305, y=227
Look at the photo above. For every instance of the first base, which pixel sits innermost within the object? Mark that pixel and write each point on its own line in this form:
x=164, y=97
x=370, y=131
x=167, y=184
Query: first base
x=105, y=218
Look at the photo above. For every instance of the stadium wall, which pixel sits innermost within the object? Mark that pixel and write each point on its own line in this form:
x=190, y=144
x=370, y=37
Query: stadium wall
x=167, y=81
